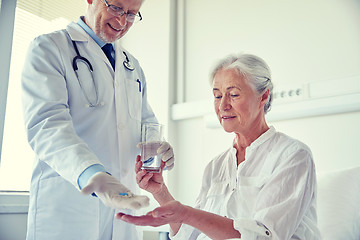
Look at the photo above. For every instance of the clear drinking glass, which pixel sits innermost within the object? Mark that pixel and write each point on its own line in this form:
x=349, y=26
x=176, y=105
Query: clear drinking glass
x=151, y=138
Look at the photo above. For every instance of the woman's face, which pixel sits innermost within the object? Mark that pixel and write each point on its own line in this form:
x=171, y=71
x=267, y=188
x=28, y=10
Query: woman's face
x=238, y=106
x=106, y=26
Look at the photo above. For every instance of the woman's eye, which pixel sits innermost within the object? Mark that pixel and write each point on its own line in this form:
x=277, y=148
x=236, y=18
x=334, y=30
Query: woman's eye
x=234, y=95
x=217, y=96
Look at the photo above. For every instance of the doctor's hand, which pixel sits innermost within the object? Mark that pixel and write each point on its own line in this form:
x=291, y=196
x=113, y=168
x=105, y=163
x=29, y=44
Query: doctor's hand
x=149, y=181
x=165, y=150
x=112, y=193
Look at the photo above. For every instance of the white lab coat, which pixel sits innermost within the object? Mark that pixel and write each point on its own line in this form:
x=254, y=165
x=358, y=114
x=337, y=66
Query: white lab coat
x=67, y=137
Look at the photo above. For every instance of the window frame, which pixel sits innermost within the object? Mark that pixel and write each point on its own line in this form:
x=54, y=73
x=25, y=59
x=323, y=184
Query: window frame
x=7, y=20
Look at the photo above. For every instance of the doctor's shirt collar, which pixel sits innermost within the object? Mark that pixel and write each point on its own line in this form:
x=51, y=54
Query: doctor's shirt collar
x=89, y=31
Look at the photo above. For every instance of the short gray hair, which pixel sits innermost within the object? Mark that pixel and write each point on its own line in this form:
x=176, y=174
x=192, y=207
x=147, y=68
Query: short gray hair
x=253, y=68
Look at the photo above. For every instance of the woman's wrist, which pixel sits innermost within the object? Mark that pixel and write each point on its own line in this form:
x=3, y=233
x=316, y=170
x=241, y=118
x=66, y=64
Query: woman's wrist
x=163, y=196
x=185, y=212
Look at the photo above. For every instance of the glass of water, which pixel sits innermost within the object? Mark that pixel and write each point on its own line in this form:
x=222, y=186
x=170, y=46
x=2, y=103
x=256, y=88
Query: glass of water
x=151, y=139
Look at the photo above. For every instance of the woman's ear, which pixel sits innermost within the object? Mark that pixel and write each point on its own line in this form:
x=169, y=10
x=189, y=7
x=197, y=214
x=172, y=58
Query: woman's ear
x=264, y=97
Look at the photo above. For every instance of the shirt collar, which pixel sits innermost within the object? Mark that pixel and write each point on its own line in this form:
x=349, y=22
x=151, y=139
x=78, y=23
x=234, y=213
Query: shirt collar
x=263, y=138
x=260, y=140
x=89, y=31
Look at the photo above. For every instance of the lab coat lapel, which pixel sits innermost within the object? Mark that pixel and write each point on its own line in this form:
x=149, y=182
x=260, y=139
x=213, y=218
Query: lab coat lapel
x=119, y=59
x=93, y=49
x=119, y=56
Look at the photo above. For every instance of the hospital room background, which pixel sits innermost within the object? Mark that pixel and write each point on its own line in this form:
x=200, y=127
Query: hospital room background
x=312, y=47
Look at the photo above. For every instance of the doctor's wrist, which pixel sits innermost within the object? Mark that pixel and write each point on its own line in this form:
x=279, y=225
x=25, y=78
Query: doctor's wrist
x=88, y=173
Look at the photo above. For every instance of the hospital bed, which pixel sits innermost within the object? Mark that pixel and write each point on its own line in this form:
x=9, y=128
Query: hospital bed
x=338, y=204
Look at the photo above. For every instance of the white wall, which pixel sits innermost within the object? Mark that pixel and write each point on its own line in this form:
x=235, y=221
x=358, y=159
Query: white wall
x=301, y=40
x=148, y=41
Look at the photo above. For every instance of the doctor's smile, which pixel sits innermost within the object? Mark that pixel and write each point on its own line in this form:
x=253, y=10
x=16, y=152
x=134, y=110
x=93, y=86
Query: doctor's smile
x=116, y=29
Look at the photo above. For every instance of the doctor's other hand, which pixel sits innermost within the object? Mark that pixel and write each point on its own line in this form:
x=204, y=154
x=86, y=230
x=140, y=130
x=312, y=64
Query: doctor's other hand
x=149, y=181
x=171, y=212
x=165, y=150
x=112, y=193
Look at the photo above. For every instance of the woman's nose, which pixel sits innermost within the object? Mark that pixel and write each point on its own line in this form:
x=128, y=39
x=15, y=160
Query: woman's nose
x=224, y=103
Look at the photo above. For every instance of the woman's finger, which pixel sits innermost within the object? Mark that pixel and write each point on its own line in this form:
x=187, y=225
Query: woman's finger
x=143, y=183
x=140, y=175
x=138, y=164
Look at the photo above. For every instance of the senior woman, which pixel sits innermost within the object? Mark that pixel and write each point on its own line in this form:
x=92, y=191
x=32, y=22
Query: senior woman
x=262, y=187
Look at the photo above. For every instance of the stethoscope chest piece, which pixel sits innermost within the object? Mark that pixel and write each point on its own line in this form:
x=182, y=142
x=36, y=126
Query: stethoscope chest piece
x=128, y=66
x=127, y=63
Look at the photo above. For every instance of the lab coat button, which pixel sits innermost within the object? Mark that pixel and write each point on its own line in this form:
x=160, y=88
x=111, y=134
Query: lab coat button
x=120, y=126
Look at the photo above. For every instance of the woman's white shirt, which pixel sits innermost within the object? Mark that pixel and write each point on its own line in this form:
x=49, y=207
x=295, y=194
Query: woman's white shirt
x=270, y=195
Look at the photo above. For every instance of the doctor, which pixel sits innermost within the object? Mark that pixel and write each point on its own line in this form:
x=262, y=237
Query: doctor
x=84, y=100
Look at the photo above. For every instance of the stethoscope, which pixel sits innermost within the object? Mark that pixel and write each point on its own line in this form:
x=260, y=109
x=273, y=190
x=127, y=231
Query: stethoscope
x=127, y=64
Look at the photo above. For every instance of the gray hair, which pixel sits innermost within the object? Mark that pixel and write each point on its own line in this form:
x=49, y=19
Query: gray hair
x=253, y=68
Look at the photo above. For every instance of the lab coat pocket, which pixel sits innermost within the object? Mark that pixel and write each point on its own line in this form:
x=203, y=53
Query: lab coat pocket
x=249, y=188
x=66, y=213
x=215, y=197
x=134, y=97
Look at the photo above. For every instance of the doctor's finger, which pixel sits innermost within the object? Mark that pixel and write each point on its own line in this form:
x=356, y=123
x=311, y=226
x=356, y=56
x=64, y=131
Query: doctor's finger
x=170, y=162
x=140, y=144
x=167, y=155
x=135, y=202
x=169, y=167
x=164, y=147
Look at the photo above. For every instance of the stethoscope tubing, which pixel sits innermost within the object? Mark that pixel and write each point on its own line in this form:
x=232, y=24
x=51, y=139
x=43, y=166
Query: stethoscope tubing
x=127, y=64
x=78, y=57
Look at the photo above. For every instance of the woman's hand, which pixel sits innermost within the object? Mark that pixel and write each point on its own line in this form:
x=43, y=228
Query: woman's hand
x=176, y=214
x=151, y=182
x=172, y=212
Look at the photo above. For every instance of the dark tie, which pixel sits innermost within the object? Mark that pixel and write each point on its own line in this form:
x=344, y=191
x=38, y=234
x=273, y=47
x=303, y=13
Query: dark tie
x=108, y=48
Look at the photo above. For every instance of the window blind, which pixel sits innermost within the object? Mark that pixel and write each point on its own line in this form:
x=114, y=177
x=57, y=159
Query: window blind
x=50, y=9
x=32, y=18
